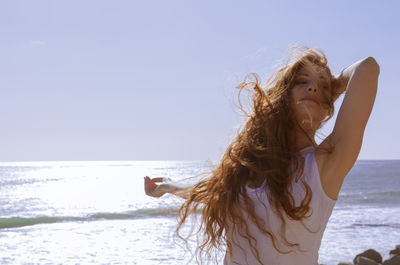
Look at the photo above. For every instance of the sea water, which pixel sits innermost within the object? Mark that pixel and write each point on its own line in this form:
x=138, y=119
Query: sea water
x=97, y=213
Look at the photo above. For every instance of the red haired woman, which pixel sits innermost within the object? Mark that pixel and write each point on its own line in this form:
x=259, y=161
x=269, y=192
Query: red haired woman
x=269, y=199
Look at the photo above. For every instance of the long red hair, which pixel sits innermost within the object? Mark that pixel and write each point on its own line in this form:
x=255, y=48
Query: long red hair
x=263, y=150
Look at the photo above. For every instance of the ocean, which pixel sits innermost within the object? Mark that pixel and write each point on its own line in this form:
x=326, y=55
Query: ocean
x=97, y=213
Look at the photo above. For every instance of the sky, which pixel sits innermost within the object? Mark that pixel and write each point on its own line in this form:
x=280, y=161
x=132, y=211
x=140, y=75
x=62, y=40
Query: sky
x=156, y=80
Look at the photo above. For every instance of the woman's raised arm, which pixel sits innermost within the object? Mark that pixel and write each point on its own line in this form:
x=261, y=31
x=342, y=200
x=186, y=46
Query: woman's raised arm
x=360, y=80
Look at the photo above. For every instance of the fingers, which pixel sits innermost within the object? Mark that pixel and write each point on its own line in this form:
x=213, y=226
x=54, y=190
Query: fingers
x=151, y=188
x=154, y=179
x=158, y=179
x=148, y=181
x=150, y=185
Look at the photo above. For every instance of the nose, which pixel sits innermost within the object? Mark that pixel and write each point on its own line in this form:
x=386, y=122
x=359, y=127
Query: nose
x=313, y=87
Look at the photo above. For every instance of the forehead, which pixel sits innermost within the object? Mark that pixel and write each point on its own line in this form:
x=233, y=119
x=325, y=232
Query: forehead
x=314, y=71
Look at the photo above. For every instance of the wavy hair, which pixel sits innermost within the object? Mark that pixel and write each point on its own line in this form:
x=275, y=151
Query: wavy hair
x=262, y=150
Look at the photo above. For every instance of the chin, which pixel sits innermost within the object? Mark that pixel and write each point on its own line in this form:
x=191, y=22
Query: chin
x=307, y=125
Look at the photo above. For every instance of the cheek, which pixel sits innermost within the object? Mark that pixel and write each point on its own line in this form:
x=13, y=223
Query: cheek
x=295, y=94
x=326, y=112
x=293, y=104
x=295, y=90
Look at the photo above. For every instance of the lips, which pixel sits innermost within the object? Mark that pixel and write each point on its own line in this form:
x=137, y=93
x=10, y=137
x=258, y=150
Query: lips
x=312, y=99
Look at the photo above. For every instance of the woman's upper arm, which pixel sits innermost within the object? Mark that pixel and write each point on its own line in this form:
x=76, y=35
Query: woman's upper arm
x=347, y=134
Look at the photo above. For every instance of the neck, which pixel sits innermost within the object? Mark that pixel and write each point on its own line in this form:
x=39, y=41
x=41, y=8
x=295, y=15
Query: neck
x=303, y=140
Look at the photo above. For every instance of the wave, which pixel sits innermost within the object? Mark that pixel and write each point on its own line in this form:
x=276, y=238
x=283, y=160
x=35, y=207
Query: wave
x=369, y=193
x=14, y=222
x=382, y=198
x=391, y=225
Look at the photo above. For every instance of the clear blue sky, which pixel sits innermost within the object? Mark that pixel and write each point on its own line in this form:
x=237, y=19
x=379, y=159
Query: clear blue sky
x=155, y=80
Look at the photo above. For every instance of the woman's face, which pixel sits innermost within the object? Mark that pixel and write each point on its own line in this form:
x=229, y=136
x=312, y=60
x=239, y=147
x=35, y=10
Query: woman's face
x=307, y=97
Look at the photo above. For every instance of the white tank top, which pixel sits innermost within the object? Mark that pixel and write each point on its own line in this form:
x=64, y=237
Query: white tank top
x=321, y=206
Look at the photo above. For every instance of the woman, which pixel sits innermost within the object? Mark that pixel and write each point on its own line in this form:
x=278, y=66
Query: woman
x=269, y=199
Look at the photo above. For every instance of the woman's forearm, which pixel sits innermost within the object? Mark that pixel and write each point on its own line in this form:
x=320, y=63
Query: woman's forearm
x=179, y=189
x=176, y=190
x=344, y=77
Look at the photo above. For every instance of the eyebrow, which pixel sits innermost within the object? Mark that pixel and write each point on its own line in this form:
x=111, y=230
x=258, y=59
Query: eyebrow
x=306, y=75
x=302, y=75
